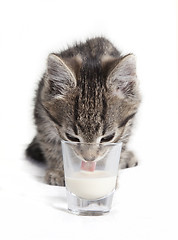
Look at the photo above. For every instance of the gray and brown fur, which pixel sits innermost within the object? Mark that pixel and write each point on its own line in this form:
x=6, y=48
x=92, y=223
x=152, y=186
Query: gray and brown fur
x=89, y=93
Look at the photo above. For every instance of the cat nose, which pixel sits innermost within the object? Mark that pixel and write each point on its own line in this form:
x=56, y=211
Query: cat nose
x=89, y=158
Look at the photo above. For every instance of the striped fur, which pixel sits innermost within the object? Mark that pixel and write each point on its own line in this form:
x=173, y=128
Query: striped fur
x=89, y=93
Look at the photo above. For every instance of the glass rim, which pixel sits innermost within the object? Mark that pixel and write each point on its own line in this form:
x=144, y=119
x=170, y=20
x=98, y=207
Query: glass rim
x=85, y=143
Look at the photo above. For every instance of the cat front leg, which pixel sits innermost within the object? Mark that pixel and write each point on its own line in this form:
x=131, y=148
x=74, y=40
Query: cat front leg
x=128, y=160
x=55, y=170
x=55, y=176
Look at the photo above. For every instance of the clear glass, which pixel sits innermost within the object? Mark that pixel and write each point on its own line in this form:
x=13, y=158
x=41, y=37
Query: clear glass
x=90, y=176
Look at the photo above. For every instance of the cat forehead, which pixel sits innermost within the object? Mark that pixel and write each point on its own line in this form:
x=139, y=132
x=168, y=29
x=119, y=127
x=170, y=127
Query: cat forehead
x=94, y=114
x=90, y=107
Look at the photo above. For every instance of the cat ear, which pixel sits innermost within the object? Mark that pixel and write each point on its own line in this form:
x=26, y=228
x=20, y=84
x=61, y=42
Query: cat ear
x=122, y=79
x=60, y=78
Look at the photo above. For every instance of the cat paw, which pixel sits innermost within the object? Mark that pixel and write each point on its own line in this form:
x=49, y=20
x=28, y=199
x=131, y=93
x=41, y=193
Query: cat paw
x=55, y=177
x=128, y=160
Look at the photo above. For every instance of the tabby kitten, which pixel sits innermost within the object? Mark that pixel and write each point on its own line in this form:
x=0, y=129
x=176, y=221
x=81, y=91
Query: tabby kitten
x=89, y=93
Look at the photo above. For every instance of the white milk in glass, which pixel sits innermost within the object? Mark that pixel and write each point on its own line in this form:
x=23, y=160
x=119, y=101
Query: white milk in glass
x=91, y=185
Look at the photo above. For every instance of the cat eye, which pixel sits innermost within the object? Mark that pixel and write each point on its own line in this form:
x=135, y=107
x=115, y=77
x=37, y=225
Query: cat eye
x=107, y=138
x=72, y=138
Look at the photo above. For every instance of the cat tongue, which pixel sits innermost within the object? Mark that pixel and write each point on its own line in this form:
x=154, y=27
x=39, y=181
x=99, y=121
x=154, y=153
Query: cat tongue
x=88, y=166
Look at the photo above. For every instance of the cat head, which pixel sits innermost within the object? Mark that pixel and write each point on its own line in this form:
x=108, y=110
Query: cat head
x=91, y=101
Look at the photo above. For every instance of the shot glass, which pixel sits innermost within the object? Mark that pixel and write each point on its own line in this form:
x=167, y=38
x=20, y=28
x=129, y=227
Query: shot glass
x=90, y=176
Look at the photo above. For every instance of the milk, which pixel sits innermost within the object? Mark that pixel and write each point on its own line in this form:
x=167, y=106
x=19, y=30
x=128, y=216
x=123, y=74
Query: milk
x=91, y=185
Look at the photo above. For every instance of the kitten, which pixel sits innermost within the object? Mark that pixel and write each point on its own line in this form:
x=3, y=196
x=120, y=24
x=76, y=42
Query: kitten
x=89, y=93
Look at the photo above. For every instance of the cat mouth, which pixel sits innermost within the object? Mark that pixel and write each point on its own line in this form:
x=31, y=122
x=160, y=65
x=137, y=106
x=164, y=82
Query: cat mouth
x=90, y=165
x=93, y=159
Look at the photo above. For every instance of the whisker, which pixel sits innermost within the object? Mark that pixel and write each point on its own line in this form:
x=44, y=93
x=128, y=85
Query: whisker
x=124, y=137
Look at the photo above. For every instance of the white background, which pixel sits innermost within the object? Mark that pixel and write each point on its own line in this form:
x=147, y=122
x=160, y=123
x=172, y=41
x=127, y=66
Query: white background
x=145, y=206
